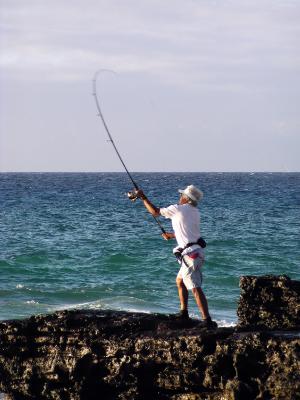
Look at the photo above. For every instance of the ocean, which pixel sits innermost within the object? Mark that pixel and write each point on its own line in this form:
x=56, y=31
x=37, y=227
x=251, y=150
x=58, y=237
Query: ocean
x=74, y=240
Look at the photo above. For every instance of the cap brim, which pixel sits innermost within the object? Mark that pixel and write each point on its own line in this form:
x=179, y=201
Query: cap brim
x=189, y=196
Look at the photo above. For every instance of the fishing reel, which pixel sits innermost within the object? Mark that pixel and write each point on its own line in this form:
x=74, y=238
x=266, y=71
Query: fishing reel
x=132, y=196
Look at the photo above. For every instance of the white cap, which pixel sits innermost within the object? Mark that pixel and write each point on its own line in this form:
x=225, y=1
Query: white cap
x=192, y=193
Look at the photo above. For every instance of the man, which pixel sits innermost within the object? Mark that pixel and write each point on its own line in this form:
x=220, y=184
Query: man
x=185, y=219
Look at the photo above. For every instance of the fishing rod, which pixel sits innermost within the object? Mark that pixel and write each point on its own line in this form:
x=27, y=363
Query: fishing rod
x=131, y=195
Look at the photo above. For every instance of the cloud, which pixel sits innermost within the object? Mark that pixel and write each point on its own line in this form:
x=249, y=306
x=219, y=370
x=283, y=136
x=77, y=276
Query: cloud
x=228, y=69
x=198, y=41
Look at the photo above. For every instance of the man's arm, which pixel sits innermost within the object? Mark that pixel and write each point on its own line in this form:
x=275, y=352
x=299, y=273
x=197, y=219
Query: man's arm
x=154, y=211
x=147, y=203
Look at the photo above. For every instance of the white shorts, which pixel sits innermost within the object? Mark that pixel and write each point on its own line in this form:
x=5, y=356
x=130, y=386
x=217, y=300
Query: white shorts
x=190, y=270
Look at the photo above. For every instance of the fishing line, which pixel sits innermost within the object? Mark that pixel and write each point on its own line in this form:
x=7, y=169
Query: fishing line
x=95, y=94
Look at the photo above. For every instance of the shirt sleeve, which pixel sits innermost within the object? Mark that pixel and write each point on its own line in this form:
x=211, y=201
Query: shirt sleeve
x=169, y=212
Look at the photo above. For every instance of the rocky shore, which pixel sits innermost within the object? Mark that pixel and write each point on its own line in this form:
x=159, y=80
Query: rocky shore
x=85, y=354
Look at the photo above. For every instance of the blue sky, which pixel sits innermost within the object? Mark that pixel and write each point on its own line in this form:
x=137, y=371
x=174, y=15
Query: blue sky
x=199, y=85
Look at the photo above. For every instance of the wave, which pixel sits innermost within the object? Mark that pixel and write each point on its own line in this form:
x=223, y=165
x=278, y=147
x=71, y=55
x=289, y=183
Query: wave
x=132, y=304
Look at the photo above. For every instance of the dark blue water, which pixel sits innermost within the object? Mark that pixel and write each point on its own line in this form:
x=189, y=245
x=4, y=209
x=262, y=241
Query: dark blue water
x=75, y=240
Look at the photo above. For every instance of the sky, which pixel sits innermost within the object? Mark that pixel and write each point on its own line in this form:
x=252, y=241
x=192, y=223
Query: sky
x=194, y=85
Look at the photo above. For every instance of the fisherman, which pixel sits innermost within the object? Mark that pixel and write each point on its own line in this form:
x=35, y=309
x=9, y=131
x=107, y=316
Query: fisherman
x=185, y=219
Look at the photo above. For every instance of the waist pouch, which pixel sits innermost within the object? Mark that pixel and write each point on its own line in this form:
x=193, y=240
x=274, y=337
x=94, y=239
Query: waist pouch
x=178, y=253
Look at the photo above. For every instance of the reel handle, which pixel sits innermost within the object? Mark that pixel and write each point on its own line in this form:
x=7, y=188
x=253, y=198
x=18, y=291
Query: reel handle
x=132, y=196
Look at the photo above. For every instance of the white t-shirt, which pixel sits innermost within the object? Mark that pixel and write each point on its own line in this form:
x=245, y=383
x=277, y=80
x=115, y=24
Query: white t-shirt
x=185, y=221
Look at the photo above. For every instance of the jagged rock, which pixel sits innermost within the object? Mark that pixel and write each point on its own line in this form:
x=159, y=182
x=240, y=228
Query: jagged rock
x=86, y=354
x=269, y=302
x=256, y=366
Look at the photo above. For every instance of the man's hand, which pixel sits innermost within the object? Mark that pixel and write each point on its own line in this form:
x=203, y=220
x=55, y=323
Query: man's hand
x=168, y=235
x=140, y=194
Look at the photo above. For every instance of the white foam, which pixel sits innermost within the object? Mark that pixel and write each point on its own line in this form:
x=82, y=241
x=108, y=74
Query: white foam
x=19, y=286
x=119, y=303
x=31, y=302
x=222, y=323
x=225, y=324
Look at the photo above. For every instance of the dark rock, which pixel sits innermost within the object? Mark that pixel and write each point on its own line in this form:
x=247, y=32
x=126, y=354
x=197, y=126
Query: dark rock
x=269, y=302
x=106, y=355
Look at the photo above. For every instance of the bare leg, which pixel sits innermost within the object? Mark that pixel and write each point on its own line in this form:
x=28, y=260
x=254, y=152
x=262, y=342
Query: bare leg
x=183, y=294
x=201, y=302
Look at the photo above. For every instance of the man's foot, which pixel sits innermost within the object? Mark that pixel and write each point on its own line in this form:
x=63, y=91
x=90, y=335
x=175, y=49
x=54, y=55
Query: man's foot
x=208, y=323
x=182, y=315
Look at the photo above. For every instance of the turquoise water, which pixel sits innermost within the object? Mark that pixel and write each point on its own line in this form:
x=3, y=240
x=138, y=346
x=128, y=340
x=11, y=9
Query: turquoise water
x=75, y=240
